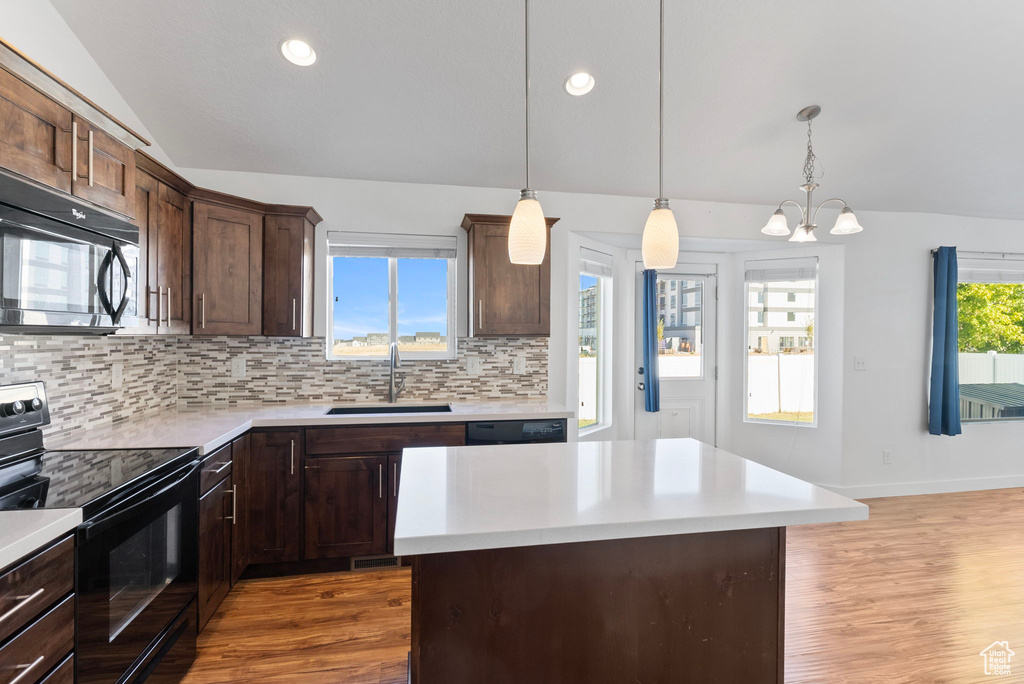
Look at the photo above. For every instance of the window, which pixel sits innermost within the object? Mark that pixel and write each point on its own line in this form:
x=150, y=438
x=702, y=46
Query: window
x=791, y=296
x=391, y=288
x=781, y=378
x=594, y=368
x=990, y=311
x=680, y=335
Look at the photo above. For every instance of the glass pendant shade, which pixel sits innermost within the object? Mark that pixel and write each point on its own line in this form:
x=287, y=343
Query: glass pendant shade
x=847, y=223
x=528, y=231
x=776, y=224
x=803, y=234
x=661, y=238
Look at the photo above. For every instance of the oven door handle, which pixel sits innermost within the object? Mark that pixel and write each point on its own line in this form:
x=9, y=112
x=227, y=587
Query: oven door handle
x=96, y=527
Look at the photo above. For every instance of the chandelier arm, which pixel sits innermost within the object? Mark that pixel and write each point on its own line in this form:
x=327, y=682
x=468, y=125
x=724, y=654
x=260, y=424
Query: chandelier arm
x=795, y=204
x=831, y=199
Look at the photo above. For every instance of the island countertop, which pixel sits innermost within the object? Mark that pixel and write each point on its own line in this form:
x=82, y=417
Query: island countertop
x=488, y=497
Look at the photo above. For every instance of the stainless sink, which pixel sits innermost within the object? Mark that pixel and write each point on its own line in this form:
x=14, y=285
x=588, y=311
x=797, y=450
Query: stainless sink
x=390, y=408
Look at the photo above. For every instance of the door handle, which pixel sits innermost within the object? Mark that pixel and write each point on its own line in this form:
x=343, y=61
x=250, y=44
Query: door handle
x=641, y=386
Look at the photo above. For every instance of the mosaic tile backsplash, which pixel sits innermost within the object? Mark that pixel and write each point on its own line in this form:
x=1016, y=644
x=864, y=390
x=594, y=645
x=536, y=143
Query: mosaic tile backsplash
x=164, y=372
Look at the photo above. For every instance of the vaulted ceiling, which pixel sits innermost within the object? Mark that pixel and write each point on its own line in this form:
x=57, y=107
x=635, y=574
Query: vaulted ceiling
x=921, y=99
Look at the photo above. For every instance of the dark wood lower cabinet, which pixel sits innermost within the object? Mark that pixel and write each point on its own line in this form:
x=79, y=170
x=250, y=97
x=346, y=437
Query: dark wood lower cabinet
x=274, y=503
x=215, y=565
x=346, y=506
x=240, y=456
x=394, y=478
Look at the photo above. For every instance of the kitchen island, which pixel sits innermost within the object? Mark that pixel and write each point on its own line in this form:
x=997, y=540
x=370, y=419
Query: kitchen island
x=600, y=562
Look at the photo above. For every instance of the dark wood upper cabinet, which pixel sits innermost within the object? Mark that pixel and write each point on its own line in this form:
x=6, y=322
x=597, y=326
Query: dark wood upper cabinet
x=273, y=503
x=227, y=279
x=214, y=548
x=288, y=271
x=147, y=211
x=104, y=168
x=346, y=506
x=240, y=456
x=505, y=298
x=35, y=134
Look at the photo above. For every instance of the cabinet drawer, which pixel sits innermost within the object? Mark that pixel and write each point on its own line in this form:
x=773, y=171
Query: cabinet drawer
x=64, y=674
x=36, y=583
x=41, y=645
x=368, y=439
x=216, y=467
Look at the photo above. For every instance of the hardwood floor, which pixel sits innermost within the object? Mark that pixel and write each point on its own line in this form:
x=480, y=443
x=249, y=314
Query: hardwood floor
x=912, y=595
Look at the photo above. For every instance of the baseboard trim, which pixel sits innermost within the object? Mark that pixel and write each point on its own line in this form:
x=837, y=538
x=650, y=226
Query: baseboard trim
x=932, y=487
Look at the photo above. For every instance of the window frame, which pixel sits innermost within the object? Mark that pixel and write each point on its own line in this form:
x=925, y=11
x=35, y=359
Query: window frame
x=605, y=334
x=450, y=353
x=780, y=263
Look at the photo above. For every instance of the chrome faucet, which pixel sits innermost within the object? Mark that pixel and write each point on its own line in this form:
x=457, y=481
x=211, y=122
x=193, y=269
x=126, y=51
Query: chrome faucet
x=394, y=361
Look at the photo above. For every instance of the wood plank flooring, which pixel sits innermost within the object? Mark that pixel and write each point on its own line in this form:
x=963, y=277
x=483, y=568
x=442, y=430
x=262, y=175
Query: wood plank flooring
x=911, y=596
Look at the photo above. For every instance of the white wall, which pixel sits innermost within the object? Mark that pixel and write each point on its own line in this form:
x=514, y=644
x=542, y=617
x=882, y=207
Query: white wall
x=36, y=29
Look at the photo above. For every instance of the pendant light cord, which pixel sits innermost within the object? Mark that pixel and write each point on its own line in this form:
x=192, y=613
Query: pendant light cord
x=661, y=104
x=526, y=26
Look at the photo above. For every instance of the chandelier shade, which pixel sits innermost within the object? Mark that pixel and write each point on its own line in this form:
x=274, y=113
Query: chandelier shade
x=847, y=223
x=803, y=234
x=776, y=224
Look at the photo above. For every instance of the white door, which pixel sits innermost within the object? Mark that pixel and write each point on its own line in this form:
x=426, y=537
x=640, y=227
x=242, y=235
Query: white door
x=687, y=298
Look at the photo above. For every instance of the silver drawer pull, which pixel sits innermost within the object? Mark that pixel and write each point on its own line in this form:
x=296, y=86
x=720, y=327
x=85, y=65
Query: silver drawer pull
x=25, y=669
x=224, y=465
x=293, y=456
x=22, y=602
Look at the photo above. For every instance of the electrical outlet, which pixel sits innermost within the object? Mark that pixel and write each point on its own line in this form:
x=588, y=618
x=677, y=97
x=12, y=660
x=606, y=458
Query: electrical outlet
x=886, y=457
x=519, y=365
x=116, y=375
x=474, y=365
x=860, y=363
x=238, y=367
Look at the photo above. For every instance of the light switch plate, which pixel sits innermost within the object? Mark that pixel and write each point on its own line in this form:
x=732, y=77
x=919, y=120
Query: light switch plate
x=116, y=375
x=860, y=363
x=238, y=367
x=519, y=365
x=886, y=457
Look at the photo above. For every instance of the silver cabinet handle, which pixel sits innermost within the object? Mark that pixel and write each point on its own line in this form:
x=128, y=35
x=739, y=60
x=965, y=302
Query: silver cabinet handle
x=380, y=480
x=293, y=457
x=224, y=465
x=479, y=314
x=293, y=314
x=202, y=311
x=25, y=669
x=90, y=157
x=394, y=477
x=22, y=602
x=74, y=151
x=234, y=504
x=168, y=307
x=149, y=293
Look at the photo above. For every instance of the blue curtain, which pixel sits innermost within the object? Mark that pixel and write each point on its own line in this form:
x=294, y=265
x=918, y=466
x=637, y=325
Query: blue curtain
x=944, y=403
x=652, y=386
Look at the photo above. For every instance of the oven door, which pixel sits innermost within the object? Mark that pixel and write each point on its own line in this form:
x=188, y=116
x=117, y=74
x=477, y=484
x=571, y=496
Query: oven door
x=57, y=275
x=136, y=574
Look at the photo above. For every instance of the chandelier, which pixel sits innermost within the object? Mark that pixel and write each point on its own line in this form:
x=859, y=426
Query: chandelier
x=846, y=224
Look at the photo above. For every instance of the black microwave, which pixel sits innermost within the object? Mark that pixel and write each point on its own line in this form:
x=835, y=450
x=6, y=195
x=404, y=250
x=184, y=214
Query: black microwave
x=64, y=266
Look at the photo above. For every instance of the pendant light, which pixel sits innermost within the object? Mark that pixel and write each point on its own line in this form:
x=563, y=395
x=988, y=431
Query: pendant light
x=661, y=236
x=527, y=233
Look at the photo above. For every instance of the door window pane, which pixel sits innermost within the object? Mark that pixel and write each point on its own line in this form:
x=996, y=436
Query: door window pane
x=780, y=351
x=360, y=311
x=422, y=305
x=680, y=335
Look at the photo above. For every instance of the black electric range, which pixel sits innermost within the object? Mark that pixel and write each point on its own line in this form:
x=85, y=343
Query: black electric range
x=136, y=549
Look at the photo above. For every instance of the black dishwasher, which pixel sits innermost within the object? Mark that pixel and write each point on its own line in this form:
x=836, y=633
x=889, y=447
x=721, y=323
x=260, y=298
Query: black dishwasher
x=516, y=432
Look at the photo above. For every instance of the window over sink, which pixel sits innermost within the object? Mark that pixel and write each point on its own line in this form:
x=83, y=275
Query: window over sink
x=387, y=288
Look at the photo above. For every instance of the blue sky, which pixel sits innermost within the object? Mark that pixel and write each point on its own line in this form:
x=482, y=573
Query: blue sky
x=361, y=296
x=587, y=281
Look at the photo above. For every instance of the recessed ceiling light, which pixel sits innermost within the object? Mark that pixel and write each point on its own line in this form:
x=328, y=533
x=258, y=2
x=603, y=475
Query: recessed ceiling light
x=298, y=52
x=579, y=83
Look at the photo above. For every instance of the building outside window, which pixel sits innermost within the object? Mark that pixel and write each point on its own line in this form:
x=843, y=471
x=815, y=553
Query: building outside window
x=594, y=369
x=990, y=311
x=386, y=289
x=781, y=378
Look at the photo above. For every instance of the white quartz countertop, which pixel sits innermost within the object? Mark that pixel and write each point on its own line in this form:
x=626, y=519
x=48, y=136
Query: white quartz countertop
x=24, y=531
x=484, y=497
x=211, y=427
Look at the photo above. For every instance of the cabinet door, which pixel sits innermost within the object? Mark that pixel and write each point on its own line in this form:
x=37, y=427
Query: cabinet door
x=227, y=258
x=272, y=501
x=173, y=265
x=287, y=276
x=35, y=134
x=346, y=506
x=105, y=169
x=507, y=298
x=214, y=549
x=394, y=477
x=147, y=190
x=240, y=457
